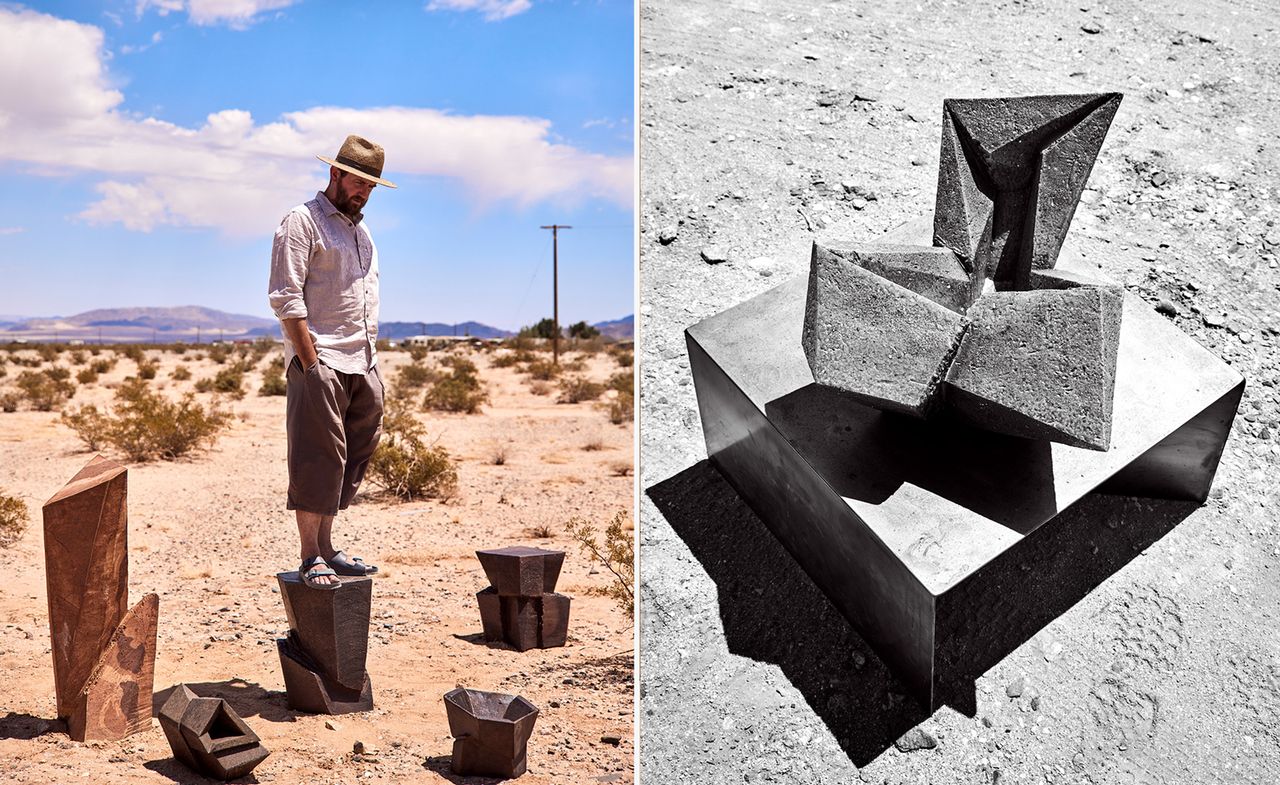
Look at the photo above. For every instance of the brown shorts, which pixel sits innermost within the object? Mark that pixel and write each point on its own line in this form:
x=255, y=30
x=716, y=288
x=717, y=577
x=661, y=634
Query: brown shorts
x=334, y=421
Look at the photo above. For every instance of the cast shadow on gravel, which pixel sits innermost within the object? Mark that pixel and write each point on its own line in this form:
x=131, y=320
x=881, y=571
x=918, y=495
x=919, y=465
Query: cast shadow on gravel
x=440, y=764
x=28, y=726
x=772, y=612
x=245, y=697
x=170, y=768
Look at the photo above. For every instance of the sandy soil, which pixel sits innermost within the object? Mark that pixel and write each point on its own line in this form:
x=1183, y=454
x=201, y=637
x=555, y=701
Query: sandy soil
x=763, y=123
x=208, y=534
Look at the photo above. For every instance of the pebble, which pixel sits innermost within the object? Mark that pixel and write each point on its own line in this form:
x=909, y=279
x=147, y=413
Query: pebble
x=667, y=235
x=762, y=265
x=1092, y=28
x=714, y=254
x=331, y=725
x=613, y=740
x=915, y=739
x=1167, y=307
x=859, y=204
x=1159, y=178
x=1213, y=319
x=1015, y=687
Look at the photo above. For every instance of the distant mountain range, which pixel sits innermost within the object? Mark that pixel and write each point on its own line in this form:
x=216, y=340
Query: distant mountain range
x=189, y=322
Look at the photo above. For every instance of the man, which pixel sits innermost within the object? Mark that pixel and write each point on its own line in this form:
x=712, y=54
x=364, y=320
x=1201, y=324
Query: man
x=324, y=290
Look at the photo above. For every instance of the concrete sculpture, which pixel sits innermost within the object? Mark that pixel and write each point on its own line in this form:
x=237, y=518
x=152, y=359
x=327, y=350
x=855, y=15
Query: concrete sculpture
x=916, y=417
x=323, y=657
x=520, y=606
x=103, y=654
x=208, y=736
x=491, y=732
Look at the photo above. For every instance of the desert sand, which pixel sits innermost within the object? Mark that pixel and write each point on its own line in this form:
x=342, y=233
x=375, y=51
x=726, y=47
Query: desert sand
x=209, y=532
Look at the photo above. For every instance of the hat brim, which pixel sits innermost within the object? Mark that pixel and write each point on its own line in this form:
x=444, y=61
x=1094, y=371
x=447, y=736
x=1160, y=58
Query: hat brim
x=357, y=172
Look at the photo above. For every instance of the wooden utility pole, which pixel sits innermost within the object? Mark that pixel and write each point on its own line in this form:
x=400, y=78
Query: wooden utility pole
x=555, y=290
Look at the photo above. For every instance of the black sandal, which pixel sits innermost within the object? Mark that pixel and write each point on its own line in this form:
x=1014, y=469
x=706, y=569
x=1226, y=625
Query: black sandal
x=351, y=565
x=316, y=567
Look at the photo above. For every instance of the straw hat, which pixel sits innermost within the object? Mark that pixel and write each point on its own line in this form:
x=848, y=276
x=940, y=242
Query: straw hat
x=360, y=157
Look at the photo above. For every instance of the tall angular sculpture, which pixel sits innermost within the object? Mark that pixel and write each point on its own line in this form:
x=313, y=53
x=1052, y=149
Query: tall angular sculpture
x=491, y=732
x=103, y=656
x=1060, y=386
x=520, y=606
x=208, y=736
x=323, y=658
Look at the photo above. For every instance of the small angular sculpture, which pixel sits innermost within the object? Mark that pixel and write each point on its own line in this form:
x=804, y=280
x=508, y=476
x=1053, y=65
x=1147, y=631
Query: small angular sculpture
x=1012, y=170
x=946, y=544
x=103, y=657
x=521, y=606
x=491, y=732
x=208, y=736
x=323, y=658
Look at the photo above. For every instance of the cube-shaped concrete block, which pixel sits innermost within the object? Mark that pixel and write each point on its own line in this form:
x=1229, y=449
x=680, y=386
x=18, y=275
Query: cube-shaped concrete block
x=873, y=340
x=554, y=629
x=522, y=571
x=331, y=625
x=491, y=732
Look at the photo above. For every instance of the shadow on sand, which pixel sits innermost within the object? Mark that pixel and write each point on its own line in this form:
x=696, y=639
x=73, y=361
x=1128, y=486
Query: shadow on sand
x=772, y=612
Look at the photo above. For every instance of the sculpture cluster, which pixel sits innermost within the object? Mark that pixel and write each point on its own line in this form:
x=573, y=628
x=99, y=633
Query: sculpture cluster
x=980, y=323
x=103, y=657
x=520, y=606
x=491, y=732
x=208, y=736
x=323, y=657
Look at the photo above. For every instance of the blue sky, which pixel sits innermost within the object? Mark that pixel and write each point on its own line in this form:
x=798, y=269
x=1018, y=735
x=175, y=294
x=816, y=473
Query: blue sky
x=153, y=146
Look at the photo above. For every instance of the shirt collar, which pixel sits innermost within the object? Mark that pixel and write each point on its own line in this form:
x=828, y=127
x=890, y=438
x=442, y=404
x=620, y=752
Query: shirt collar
x=329, y=209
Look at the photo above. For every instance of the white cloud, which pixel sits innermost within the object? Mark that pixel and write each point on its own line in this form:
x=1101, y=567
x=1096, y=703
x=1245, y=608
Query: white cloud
x=493, y=10
x=237, y=175
x=12, y=230
x=237, y=14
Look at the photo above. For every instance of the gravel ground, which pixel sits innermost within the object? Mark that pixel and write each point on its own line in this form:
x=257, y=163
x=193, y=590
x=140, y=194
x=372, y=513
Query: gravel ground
x=765, y=122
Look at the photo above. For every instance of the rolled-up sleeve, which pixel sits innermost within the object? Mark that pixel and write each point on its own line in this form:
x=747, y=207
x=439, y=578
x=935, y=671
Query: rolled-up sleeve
x=290, y=252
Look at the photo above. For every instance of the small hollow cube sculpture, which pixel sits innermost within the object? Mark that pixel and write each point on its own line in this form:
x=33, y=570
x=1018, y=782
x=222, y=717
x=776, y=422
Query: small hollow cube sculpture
x=491, y=732
x=208, y=736
x=323, y=658
x=521, y=606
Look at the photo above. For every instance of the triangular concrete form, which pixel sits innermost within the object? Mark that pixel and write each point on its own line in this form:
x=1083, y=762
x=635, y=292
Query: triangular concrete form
x=935, y=273
x=1065, y=164
x=116, y=698
x=86, y=555
x=1040, y=365
x=1029, y=159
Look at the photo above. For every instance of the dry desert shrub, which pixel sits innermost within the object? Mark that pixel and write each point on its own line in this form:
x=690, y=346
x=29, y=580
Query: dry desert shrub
x=13, y=520
x=131, y=352
x=46, y=390
x=417, y=353
x=180, y=374
x=459, y=391
x=594, y=444
x=78, y=357
x=87, y=376
x=147, y=369
x=540, y=388
x=219, y=353
x=414, y=376
x=542, y=370
x=625, y=359
x=616, y=553
x=146, y=425
x=622, y=409
x=621, y=468
x=48, y=351
x=498, y=457
x=9, y=402
x=273, y=381
x=541, y=532
x=506, y=359
x=103, y=365
x=228, y=380
x=576, y=389
x=405, y=465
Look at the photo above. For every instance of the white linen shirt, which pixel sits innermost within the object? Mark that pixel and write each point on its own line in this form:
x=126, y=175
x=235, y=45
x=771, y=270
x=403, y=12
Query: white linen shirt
x=324, y=268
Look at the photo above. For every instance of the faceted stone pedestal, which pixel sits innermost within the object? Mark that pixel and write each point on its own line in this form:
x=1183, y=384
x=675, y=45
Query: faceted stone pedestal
x=323, y=659
x=522, y=571
x=524, y=622
x=895, y=519
x=521, y=607
x=103, y=654
x=208, y=736
x=491, y=732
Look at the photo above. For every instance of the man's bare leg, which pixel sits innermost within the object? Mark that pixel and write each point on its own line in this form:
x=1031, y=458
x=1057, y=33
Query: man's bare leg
x=310, y=525
x=324, y=537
